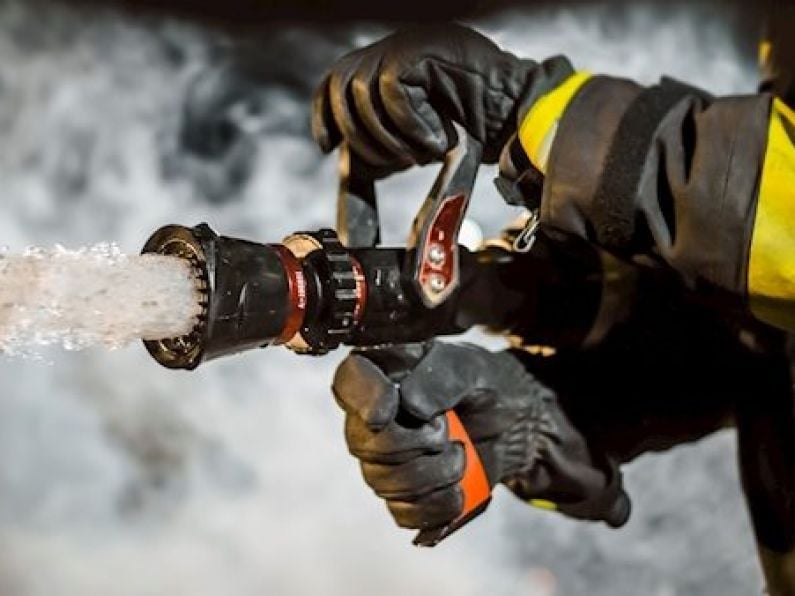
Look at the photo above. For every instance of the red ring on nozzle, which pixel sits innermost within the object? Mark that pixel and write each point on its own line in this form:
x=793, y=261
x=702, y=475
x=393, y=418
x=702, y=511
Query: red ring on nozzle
x=296, y=284
x=361, y=291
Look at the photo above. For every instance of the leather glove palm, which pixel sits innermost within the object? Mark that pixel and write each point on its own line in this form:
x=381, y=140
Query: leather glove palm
x=395, y=399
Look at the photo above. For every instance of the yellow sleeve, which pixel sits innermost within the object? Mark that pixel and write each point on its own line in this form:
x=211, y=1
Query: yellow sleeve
x=771, y=265
x=538, y=128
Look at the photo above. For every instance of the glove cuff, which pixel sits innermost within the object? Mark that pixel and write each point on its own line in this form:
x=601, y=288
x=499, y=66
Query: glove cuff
x=542, y=78
x=520, y=179
x=610, y=505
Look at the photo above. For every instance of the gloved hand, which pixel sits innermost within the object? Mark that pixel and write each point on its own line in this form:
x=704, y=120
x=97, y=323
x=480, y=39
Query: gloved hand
x=395, y=399
x=393, y=101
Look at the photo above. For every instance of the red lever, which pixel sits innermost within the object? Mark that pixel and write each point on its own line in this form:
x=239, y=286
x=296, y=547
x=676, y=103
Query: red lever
x=474, y=485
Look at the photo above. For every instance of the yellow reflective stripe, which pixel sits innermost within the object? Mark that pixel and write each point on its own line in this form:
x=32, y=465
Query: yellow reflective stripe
x=771, y=266
x=541, y=123
x=543, y=504
x=765, y=47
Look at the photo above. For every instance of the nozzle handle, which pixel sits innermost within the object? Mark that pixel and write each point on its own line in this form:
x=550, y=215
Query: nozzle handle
x=433, y=242
x=474, y=486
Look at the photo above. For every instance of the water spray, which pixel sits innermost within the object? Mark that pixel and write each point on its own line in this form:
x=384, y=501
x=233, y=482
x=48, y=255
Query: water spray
x=92, y=296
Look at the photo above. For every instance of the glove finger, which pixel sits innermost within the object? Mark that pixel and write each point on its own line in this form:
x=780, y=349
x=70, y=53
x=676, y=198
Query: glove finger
x=410, y=109
x=417, y=477
x=347, y=118
x=370, y=108
x=396, y=443
x=364, y=391
x=396, y=361
x=324, y=129
x=433, y=510
x=446, y=374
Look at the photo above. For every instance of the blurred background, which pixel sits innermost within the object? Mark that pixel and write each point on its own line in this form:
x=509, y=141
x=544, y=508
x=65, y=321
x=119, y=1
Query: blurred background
x=121, y=478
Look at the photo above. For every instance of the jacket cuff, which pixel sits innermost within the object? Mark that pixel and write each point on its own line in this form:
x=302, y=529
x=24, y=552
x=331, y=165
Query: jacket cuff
x=582, y=143
x=665, y=173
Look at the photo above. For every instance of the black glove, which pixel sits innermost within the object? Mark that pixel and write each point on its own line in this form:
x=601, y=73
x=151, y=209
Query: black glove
x=395, y=399
x=393, y=101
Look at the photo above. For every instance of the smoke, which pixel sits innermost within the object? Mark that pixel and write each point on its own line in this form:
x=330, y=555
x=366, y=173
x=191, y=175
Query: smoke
x=120, y=478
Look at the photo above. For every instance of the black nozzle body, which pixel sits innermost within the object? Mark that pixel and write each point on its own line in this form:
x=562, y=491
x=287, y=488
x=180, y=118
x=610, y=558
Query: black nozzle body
x=243, y=287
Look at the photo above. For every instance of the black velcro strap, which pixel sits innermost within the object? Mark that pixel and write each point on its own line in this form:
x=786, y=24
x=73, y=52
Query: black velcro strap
x=518, y=156
x=615, y=196
x=526, y=190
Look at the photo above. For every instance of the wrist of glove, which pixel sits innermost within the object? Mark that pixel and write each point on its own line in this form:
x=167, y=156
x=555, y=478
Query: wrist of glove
x=393, y=101
x=395, y=399
x=590, y=491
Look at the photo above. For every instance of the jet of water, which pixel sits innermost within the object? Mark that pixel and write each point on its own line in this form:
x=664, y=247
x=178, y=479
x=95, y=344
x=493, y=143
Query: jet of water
x=92, y=296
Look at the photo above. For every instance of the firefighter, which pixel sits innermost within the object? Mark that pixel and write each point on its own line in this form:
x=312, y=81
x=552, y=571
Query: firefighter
x=664, y=177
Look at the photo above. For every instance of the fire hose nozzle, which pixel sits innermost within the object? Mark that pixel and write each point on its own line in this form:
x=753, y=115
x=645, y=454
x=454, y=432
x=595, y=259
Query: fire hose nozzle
x=308, y=293
x=243, y=289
